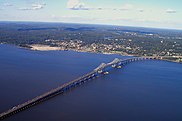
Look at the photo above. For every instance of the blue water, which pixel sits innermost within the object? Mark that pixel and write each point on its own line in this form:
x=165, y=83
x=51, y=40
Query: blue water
x=141, y=91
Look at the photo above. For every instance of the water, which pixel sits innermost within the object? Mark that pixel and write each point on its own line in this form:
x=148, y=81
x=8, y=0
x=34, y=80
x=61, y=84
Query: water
x=141, y=91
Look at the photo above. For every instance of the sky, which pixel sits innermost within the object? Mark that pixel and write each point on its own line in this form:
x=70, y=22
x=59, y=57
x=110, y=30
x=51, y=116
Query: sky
x=142, y=13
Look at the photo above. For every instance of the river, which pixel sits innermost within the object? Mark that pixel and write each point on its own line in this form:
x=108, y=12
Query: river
x=140, y=91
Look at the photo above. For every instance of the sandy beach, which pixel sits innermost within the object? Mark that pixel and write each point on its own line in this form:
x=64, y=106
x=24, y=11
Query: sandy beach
x=44, y=47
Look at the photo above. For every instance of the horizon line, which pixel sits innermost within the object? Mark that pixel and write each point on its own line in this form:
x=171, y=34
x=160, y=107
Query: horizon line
x=145, y=27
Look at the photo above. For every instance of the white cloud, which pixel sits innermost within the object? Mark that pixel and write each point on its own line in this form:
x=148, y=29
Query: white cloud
x=72, y=3
x=76, y=5
x=37, y=6
x=7, y=4
x=141, y=10
x=126, y=7
x=33, y=7
x=24, y=8
x=170, y=11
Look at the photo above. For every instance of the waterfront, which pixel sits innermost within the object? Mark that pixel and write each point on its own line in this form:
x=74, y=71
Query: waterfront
x=148, y=90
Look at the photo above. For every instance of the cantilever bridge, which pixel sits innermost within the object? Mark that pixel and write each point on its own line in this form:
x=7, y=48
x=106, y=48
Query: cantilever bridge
x=72, y=84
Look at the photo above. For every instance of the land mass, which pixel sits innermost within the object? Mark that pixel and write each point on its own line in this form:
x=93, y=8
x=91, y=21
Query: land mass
x=166, y=44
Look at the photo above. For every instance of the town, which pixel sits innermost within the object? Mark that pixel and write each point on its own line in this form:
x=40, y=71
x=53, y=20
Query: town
x=96, y=38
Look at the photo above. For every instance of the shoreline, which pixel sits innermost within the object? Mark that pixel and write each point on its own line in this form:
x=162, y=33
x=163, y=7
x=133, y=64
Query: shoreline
x=40, y=47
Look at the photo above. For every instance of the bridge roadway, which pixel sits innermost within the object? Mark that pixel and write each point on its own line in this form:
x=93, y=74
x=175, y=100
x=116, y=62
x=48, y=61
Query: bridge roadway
x=67, y=86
